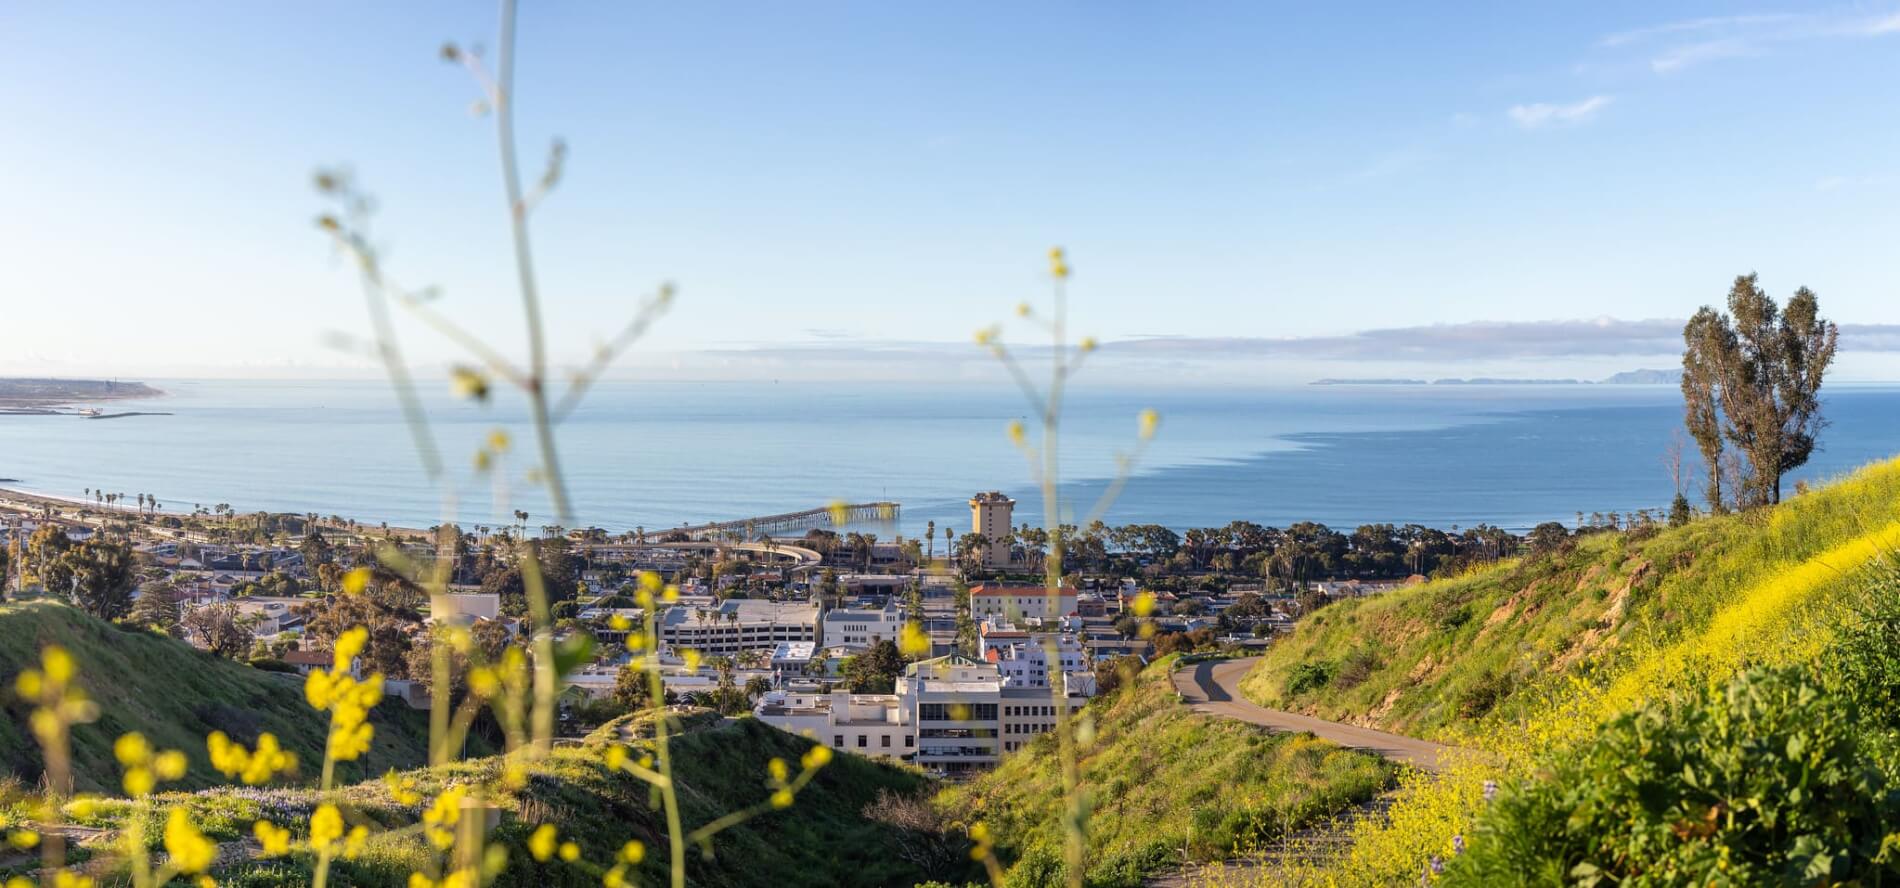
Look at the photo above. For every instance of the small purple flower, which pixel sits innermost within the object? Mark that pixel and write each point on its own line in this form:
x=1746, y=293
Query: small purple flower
x=1490, y=790
x=1458, y=844
x=1438, y=864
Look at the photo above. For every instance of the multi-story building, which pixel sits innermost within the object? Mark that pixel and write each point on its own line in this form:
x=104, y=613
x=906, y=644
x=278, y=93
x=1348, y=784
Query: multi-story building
x=1019, y=603
x=867, y=724
x=1023, y=657
x=990, y=515
x=737, y=625
x=862, y=628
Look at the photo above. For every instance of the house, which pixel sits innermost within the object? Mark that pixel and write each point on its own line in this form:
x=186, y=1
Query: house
x=305, y=661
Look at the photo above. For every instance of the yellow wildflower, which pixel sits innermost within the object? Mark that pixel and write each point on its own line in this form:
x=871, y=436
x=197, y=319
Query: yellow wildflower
x=570, y=852
x=326, y=826
x=782, y=798
x=633, y=851
x=913, y=641
x=543, y=842
x=131, y=749
x=190, y=851
x=353, y=584
x=274, y=839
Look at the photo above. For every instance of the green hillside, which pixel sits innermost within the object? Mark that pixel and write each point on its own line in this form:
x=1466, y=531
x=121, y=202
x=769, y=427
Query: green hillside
x=1526, y=661
x=823, y=839
x=175, y=695
x=1166, y=786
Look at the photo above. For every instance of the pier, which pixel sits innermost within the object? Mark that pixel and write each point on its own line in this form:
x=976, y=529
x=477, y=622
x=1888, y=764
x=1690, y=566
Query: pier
x=769, y=525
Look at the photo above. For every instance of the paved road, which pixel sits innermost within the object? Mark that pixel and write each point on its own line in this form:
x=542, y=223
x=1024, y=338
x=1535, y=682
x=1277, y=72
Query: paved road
x=1213, y=687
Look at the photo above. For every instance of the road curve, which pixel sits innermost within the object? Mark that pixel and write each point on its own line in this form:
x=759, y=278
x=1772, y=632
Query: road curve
x=1213, y=687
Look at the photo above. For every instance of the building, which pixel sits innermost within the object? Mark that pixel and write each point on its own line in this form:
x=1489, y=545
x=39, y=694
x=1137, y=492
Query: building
x=737, y=625
x=958, y=712
x=1018, y=603
x=862, y=627
x=991, y=515
x=867, y=724
x=464, y=608
x=1022, y=658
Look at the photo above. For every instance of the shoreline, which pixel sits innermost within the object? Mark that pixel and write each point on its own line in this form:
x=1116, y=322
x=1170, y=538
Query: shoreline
x=19, y=499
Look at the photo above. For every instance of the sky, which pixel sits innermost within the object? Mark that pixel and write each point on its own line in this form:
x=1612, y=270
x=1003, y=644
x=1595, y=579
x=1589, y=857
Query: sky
x=1248, y=192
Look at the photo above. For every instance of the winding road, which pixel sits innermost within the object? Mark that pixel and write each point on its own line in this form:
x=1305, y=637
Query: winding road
x=1213, y=687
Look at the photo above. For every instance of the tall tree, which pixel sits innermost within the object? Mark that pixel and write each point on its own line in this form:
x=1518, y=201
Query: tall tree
x=1752, y=379
x=102, y=577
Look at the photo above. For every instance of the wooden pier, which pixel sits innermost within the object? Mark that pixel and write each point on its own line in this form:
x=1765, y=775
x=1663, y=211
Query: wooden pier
x=835, y=515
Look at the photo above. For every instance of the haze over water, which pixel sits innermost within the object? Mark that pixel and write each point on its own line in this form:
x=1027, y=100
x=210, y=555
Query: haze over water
x=660, y=454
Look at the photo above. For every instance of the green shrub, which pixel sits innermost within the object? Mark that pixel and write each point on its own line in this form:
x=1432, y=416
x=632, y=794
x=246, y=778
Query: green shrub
x=1866, y=661
x=1765, y=781
x=1309, y=676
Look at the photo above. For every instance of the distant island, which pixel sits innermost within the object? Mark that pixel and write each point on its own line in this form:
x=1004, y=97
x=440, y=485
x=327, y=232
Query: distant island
x=54, y=396
x=1627, y=377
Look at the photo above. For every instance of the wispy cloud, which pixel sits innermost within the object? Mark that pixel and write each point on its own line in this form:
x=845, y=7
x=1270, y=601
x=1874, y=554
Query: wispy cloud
x=1835, y=183
x=1544, y=114
x=1475, y=340
x=1674, y=46
x=1699, y=25
x=1426, y=343
x=1680, y=57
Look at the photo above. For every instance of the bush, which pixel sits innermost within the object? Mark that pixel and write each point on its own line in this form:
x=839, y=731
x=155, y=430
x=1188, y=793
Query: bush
x=1866, y=664
x=1309, y=676
x=1356, y=668
x=272, y=664
x=1764, y=781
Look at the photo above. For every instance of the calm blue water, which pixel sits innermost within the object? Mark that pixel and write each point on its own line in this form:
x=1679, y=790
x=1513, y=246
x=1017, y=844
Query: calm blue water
x=658, y=455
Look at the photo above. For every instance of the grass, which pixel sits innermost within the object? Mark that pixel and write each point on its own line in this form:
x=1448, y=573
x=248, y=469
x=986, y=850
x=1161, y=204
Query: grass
x=1497, y=645
x=823, y=839
x=175, y=695
x=1527, y=659
x=1167, y=787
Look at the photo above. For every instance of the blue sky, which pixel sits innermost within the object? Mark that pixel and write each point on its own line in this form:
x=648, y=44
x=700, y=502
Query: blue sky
x=851, y=188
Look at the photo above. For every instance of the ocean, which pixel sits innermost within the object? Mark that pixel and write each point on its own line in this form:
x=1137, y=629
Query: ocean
x=657, y=455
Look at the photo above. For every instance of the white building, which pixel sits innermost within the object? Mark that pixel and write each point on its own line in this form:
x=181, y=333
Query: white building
x=950, y=714
x=862, y=628
x=737, y=625
x=464, y=608
x=867, y=724
x=1017, y=603
x=1023, y=657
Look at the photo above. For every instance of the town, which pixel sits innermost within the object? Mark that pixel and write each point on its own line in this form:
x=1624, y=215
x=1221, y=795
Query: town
x=947, y=656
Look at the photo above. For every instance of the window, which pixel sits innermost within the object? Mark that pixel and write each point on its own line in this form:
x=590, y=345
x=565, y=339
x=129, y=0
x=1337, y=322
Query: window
x=909, y=741
x=837, y=740
x=885, y=741
x=863, y=741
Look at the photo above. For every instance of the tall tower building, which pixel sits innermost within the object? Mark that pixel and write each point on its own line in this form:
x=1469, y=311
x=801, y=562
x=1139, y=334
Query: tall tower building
x=990, y=515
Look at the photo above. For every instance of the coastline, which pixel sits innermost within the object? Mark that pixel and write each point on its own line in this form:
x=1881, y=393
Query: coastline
x=34, y=396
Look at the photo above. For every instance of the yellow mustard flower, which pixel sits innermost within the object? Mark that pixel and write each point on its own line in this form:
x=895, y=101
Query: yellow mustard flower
x=190, y=851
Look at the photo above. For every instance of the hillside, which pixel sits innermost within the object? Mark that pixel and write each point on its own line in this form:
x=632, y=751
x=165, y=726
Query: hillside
x=1525, y=661
x=175, y=695
x=1168, y=785
x=823, y=839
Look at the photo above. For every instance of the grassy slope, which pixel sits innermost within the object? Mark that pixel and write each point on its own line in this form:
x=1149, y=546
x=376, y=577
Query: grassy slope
x=1440, y=659
x=1554, y=646
x=822, y=840
x=1163, y=779
x=172, y=693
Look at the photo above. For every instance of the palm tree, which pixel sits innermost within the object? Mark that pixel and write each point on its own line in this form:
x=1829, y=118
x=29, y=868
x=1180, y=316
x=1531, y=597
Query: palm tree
x=930, y=536
x=757, y=686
